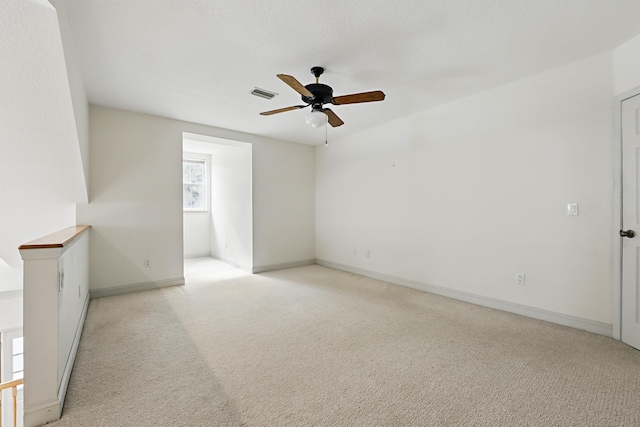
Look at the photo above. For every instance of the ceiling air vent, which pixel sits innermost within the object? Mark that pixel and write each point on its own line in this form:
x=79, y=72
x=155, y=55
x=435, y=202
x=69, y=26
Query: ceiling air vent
x=262, y=93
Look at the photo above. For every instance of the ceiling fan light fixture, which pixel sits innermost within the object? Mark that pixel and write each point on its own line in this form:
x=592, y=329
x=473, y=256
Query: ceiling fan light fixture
x=317, y=119
x=316, y=95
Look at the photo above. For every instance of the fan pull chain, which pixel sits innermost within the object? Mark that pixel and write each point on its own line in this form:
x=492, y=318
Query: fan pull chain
x=325, y=136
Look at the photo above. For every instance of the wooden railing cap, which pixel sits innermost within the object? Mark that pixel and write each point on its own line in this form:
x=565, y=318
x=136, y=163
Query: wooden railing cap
x=11, y=384
x=59, y=239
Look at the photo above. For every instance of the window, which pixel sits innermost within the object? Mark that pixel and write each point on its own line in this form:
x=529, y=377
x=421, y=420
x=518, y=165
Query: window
x=18, y=358
x=194, y=185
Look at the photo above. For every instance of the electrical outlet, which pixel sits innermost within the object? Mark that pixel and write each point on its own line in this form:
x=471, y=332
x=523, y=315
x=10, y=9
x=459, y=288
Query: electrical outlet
x=572, y=209
x=147, y=263
x=367, y=253
x=519, y=278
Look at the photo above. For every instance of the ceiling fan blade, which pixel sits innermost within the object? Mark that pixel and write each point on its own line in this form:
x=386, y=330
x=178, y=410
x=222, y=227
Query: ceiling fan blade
x=282, y=110
x=334, y=120
x=376, y=95
x=295, y=85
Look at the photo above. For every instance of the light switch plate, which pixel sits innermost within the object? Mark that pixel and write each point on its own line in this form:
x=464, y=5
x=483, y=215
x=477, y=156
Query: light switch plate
x=572, y=209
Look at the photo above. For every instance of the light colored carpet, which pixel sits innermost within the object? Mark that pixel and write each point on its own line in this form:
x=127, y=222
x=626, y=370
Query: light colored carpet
x=313, y=346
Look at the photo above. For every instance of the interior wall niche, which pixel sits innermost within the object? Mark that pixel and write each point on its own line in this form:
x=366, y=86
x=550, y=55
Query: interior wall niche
x=225, y=230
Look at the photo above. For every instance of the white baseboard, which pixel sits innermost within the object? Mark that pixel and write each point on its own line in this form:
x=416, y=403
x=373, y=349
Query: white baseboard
x=265, y=268
x=66, y=374
x=136, y=287
x=522, y=310
x=198, y=255
x=272, y=267
x=42, y=413
x=14, y=293
x=232, y=262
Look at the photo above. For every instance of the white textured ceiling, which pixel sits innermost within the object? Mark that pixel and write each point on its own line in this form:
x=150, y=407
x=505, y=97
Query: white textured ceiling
x=197, y=60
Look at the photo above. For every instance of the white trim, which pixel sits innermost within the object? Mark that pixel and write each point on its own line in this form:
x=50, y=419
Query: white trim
x=522, y=310
x=43, y=253
x=66, y=373
x=199, y=255
x=136, y=287
x=233, y=263
x=42, y=413
x=14, y=293
x=616, y=244
x=214, y=139
x=272, y=267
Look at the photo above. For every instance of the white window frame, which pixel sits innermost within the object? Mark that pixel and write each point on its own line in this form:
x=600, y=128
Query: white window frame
x=199, y=158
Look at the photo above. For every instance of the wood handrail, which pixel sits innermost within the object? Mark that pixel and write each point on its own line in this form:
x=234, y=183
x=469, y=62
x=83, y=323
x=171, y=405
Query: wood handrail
x=14, y=393
x=9, y=384
x=59, y=239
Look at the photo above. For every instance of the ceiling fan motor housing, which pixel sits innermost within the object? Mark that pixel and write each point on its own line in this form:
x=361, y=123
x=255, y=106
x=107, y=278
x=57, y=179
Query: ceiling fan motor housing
x=317, y=71
x=322, y=94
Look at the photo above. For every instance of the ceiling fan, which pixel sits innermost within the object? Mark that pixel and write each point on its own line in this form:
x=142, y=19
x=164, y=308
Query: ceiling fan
x=317, y=94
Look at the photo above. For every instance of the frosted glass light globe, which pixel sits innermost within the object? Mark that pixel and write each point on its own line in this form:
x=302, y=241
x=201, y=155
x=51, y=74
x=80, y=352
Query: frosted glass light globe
x=317, y=119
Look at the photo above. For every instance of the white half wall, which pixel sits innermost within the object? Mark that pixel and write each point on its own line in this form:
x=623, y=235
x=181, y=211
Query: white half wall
x=466, y=195
x=40, y=157
x=56, y=299
x=135, y=207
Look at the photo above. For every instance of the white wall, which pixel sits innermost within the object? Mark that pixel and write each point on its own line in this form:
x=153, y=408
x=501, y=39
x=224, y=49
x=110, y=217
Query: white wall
x=627, y=66
x=10, y=310
x=283, y=204
x=76, y=85
x=135, y=204
x=465, y=195
x=231, y=205
x=40, y=157
x=197, y=234
x=135, y=193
